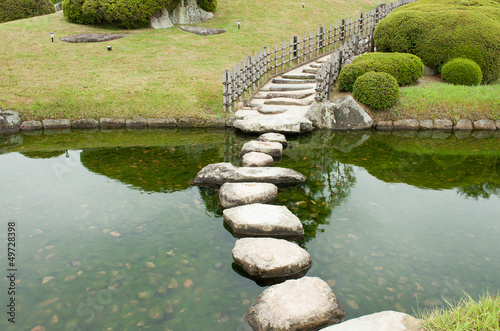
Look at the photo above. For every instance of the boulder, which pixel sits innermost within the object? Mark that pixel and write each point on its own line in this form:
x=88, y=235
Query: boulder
x=274, y=137
x=443, y=124
x=304, y=304
x=426, y=124
x=237, y=194
x=9, y=121
x=188, y=12
x=274, y=149
x=201, y=31
x=160, y=20
x=219, y=173
x=341, y=114
x=263, y=220
x=463, y=124
x=256, y=159
x=383, y=321
x=484, y=125
x=270, y=258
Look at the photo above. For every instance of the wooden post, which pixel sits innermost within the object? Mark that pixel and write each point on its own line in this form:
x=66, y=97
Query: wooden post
x=294, y=43
x=321, y=38
x=342, y=31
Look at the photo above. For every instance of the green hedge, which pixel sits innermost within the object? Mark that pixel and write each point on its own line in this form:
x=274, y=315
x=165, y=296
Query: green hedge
x=406, y=68
x=378, y=90
x=124, y=13
x=11, y=10
x=438, y=31
x=462, y=72
x=209, y=5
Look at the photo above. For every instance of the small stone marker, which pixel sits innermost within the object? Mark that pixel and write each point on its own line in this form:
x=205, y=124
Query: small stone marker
x=304, y=304
x=272, y=148
x=274, y=137
x=237, y=194
x=269, y=257
x=263, y=220
x=257, y=159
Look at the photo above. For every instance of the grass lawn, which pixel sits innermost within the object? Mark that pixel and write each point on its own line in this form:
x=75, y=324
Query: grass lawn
x=151, y=73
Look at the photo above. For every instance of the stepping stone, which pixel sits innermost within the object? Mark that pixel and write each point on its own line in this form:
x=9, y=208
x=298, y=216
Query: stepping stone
x=385, y=320
x=237, y=194
x=274, y=137
x=284, y=102
x=299, y=76
x=219, y=173
x=290, y=87
x=272, y=148
x=256, y=159
x=272, y=110
x=283, y=95
x=273, y=123
x=315, y=65
x=293, y=81
x=310, y=70
x=263, y=221
x=304, y=304
x=270, y=258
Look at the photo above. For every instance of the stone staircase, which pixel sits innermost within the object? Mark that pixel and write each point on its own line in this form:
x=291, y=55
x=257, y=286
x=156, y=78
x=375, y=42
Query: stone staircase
x=281, y=104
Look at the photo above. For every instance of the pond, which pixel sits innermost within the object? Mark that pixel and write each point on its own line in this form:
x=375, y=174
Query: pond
x=111, y=234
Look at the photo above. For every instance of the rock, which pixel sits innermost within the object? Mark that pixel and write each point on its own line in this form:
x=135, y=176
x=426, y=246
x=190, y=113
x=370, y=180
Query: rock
x=273, y=123
x=202, y=31
x=443, y=124
x=407, y=124
x=160, y=20
x=256, y=159
x=285, y=88
x=263, y=220
x=269, y=257
x=9, y=121
x=237, y=194
x=136, y=123
x=274, y=137
x=383, y=321
x=428, y=71
x=31, y=126
x=271, y=148
x=215, y=123
x=271, y=110
x=293, y=81
x=497, y=123
x=58, y=6
x=219, y=173
x=87, y=123
x=188, y=12
x=426, y=124
x=484, y=125
x=50, y=124
x=190, y=122
x=384, y=126
x=93, y=37
x=161, y=122
x=304, y=304
x=112, y=123
x=463, y=124
x=340, y=114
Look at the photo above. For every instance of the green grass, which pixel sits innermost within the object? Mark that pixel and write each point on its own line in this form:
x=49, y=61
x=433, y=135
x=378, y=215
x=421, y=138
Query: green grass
x=467, y=314
x=152, y=73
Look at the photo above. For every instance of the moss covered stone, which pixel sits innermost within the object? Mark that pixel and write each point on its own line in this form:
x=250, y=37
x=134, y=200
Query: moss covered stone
x=462, y=72
x=438, y=31
x=11, y=10
x=378, y=90
x=406, y=68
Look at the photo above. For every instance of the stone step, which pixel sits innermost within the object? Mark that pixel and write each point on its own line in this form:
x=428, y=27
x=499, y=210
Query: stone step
x=238, y=194
x=284, y=102
x=298, y=76
x=315, y=65
x=272, y=110
x=261, y=220
x=310, y=70
x=272, y=148
x=293, y=81
x=257, y=159
x=273, y=95
x=285, y=88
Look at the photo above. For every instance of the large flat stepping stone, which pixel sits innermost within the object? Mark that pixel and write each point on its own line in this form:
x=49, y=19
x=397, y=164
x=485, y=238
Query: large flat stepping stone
x=237, y=194
x=383, y=321
x=270, y=258
x=263, y=220
x=285, y=87
x=293, y=81
x=285, y=102
x=219, y=173
x=298, y=76
x=274, y=137
x=273, y=123
x=272, y=95
x=304, y=304
x=272, y=148
x=272, y=110
x=256, y=159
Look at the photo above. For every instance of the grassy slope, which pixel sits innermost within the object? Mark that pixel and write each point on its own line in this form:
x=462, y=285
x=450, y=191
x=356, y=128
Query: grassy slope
x=152, y=73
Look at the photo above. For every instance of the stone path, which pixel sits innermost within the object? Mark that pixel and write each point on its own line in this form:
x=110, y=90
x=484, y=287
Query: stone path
x=281, y=104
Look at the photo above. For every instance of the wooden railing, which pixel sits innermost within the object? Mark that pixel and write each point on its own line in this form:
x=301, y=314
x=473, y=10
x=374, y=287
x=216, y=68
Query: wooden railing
x=244, y=78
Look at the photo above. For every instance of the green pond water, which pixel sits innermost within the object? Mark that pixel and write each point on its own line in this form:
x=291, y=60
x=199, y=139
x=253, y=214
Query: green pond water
x=111, y=235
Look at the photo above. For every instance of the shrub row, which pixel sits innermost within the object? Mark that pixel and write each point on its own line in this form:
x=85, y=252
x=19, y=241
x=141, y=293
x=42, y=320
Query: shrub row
x=11, y=10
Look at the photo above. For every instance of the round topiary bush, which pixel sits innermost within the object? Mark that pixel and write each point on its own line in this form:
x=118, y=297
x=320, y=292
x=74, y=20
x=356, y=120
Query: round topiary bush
x=208, y=5
x=462, y=72
x=406, y=68
x=11, y=10
x=438, y=31
x=376, y=89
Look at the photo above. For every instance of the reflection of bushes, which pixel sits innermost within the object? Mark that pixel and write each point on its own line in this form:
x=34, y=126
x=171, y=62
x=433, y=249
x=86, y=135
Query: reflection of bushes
x=43, y=155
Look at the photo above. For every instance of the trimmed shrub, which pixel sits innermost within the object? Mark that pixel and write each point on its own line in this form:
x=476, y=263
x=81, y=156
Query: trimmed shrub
x=124, y=13
x=438, y=31
x=208, y=5
x=376, y=89
x=406, y=68
x=462, y=72
x=11, y=10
